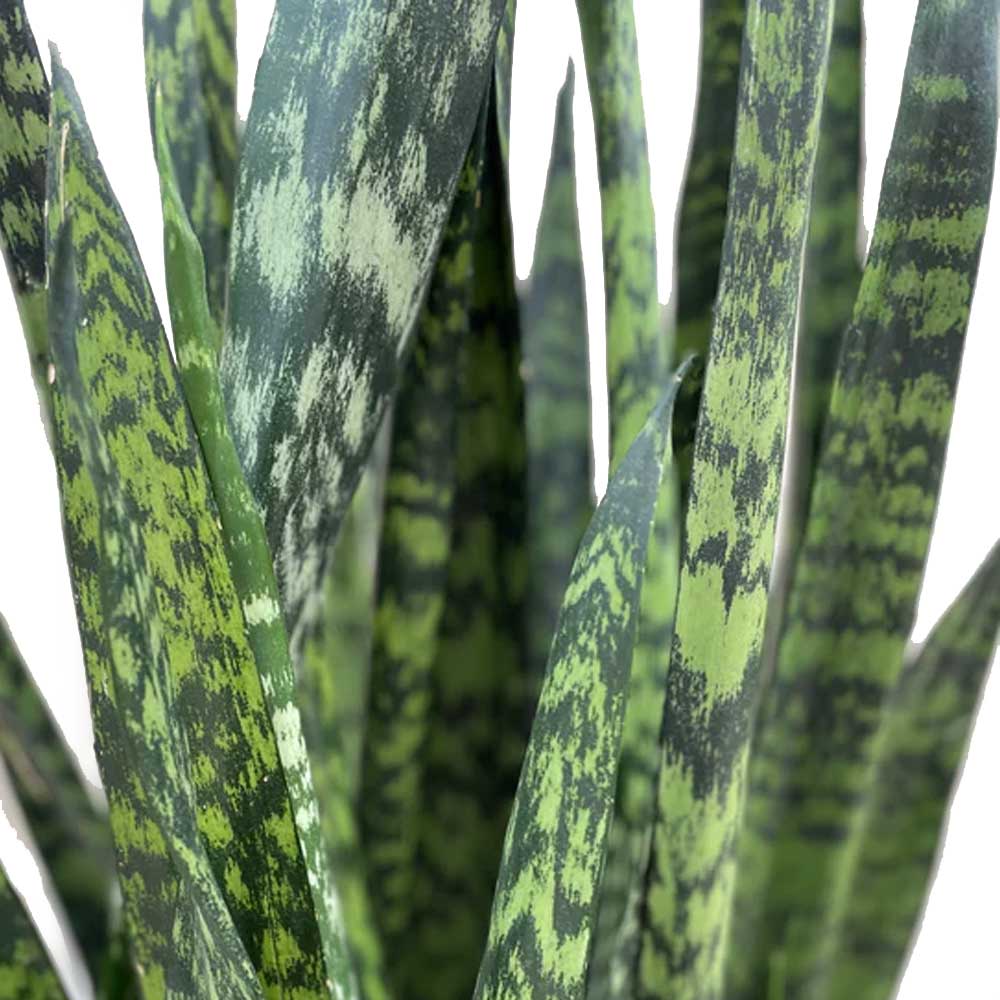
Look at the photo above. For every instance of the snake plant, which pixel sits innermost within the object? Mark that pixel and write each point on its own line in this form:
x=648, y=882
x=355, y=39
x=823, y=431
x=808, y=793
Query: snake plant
x=386, y=705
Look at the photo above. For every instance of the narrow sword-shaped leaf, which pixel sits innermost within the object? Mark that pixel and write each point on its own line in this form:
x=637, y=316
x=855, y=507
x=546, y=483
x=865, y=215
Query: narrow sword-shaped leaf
x=503, y=74
x=556, y=393
x=196, y=340
x=857, y=577
x=190, y=49
x=72, y=837
x=735, y=486
x=920, y=747
x=24, y=118
x=180, y=921
x=361, y=118
x=246, y=819
x=546, y=900
x=413, y=570
x=26, y=972
x=481, y=696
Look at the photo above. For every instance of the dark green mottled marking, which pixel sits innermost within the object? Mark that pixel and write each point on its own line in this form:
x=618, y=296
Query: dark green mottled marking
x=413, y=571
x=191, y=57
x=702, y=218
x=361, y=119
x=556, y=393
x=857, y=578
x=196, y=341
x=24, y=119
x=72, y=837
x=25, y=970
x=735, y=486
x=481, y=697
x=546, y=900
x=162, y=530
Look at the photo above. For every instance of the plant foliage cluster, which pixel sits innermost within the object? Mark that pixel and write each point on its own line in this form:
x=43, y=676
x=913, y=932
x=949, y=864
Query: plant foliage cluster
x=384, y=705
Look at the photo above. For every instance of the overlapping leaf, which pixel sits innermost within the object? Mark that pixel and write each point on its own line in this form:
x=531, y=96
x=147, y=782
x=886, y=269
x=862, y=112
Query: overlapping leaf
x=169, y=625
x=874, y=494
x=25, y=970
x=71, y=835
x=546, y=900
x=360, y=122
x=190, y=49
x=735, y=486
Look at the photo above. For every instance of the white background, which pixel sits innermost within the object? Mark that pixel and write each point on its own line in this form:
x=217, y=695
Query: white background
x=101, y=45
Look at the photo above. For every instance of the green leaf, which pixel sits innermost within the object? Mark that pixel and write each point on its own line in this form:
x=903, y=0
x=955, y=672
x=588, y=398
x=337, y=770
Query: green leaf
x=735, y=487
x=636, y=348
x=920, y=747
x=556, y=393
x=196, y=340
x=24, y=118
x=191, y=57
x=546, y=900
x=72, y=837
x=503, y=76
x=857, y=577
x=25, y=970
x=482, y=698
x=157, y=558
x=361, y=118
x=413, y=565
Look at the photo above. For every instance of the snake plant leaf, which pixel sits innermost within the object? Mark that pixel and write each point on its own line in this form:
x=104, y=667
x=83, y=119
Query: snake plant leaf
x=503, y=75
x=191, y=57
x=481, y=695
x=24, y=113
x=196, y=340
x=546, y=898
x=702, y=215
x=735, y=486
x=556, y=392
x=232, y=753
x=26, y=972
x=857, y=577
x=152, y=796
x=413, y=569
x=72, y=837
x=920, y=747
x=352, y=152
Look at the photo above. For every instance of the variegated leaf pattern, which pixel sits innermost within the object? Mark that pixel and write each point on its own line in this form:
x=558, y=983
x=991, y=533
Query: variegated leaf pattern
x=556, y=392
x=413, y=561
x=72, y=837
x=361, y=118
x=732, y=509
x=190, y=49
x=26, y=972
x=857, y=578
x=24, y=106
x=546, y=900
x=161, y=506
x=196, y=340
x=481, y=695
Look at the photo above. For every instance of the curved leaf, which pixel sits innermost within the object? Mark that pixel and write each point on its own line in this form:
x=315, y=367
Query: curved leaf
x=546, y=900
x=733, y=503
x=857, y=577
x=352, y=152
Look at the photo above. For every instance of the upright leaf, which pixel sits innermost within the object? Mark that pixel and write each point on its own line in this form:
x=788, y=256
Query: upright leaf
x=735, y=486
x=481, y=695
x=361, y=119
x=190, y=48
x=413, y=571
x=24, y=113
x=71, y=835
x=556, y=392
x=546, y=900
x=921, y=743
x=162, y=524
x=857, y=577
x=25, y=970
